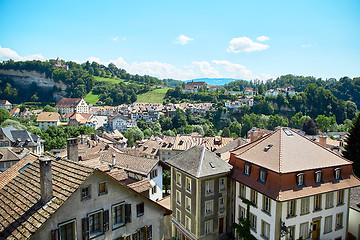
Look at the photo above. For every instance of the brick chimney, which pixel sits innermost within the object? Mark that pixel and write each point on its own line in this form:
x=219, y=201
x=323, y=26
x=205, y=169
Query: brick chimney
x=322, y=141
x=45, y=179
x=72, y=149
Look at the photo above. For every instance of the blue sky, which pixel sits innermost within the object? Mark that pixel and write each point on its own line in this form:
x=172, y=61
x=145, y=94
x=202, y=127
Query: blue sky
x=189, y=39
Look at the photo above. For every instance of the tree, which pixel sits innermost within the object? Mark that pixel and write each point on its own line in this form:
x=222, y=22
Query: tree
x=309, y=127
x=48, y=108
x=226, y=132
x=243, y=227
x=352, y=149
x=4, y=114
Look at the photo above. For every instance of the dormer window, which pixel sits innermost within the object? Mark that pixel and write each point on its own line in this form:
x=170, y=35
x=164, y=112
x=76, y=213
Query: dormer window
x=300, y=179
x=247, y=168
x=318, y=177
x=262, y=175
x=337, y=173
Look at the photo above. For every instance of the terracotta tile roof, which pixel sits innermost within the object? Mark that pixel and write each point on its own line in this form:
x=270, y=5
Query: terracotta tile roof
x=7, y=155
x=279, y=151
x=21, y=212
x=118, y=174
x=199, y=162
x=141, y=186
x=224, y=152
x=68, y=102
x=15, y=110
x=48, y=117
x=165, y=202
x=184, y=142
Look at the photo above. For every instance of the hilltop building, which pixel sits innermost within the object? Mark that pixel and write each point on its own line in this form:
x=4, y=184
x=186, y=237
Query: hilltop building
x=69, y=105
x=58, y=64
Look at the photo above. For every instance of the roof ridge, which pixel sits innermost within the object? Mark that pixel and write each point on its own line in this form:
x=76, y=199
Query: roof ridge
x=201, y=160
x=256, y=142
x=280, y=152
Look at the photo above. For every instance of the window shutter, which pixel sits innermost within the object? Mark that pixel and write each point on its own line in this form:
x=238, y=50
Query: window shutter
x=55, y=234
x=106, y=220
x=149, y=232
x=127, y=213
x=85, y=228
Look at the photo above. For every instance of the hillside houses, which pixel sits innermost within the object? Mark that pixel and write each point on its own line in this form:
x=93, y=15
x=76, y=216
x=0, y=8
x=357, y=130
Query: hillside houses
x=5, y=104
x=193, y=86
x=234, y=106
x=69, y=105
x=286, y=89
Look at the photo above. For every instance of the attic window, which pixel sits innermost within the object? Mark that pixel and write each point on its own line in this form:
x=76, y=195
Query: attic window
x=288, y=132
x=145, y=147
x=181, y=142
x=300, y=179
x=268, y=147
x=337, y=173
x=212, y=165
x=318, y=177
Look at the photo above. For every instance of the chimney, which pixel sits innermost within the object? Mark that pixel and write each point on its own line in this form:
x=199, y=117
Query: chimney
x=253, y=136
x=45, y=179
x=72, y=149
x=322, y=141
x=113, y=159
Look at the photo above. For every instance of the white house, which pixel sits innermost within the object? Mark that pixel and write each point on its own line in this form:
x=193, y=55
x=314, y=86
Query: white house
x=47, y=119
x=120, y=122
x=68, y=105
x=298, y=188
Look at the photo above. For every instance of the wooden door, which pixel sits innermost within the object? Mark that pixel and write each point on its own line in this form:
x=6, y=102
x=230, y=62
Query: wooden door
x=316, y=230
x=221, y=225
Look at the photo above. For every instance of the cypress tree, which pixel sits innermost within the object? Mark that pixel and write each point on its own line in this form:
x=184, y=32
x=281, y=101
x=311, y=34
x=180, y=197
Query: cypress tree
x=352, y=149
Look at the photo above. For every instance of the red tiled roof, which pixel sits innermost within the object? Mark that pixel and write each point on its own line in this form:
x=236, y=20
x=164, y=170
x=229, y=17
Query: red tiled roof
x=141, y=186
x=68, y=102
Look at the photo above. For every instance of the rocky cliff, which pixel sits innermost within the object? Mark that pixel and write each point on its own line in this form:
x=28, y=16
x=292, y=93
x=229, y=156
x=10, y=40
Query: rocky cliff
x=25, y=78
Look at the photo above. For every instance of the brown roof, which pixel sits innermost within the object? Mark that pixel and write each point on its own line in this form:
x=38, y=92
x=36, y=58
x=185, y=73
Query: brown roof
x=141, y=186
x=165, y=202
x=184, y=142
x=68, y=102
x=48, y=117
x=284, y=150
x=6, y=154
x=5, y=102
x=21, y=212
x=14, y=110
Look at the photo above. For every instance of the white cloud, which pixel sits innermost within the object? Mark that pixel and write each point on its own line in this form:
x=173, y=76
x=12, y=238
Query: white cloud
x=115, y=38
x=7, y=53
x=92, y=59
x=182, y=39
x=245, y=44
x=236, y=70
x=306, y=45
x=262, y=38
x=123, y=38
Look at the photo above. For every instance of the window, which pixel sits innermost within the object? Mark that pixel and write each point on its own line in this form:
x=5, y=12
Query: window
x=337, y=173
x=67, y=230
x=317, y=202
x=291, y=208
x=300, y=179
x=253, y=220
x=188, y=184
x=187, y=223
x=242, y=212
x=118, y=214
x=178, y=215
x=140, y=209
x=208, y=207
x=340, y=197
x=208, y=227
x=242, y=190
x=178, y=197
x=178, y=178
x=329, y=200
x=328, y=224
x=304, y=230
x=265, y=230
x=95, y=223
x=305, y=205
x=266, y=204
x=153, y=190
x=102, y=188
x=222, y=184
x=208, y=187
x=188, y=203
x=291, y=233
x=339, y=221
x=253, y=196
x=318, y=176
x=247, y=168
x=153, y=174
x=262, y=176
x=221, y=203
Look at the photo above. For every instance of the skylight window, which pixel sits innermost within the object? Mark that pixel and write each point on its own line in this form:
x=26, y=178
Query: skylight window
x=288, y=132
x=268, y=147
x=212, y=165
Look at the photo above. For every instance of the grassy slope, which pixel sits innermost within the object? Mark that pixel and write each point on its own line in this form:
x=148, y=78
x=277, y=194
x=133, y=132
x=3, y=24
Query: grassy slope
x=91, y=98
x=110, y=80
x=155, y=96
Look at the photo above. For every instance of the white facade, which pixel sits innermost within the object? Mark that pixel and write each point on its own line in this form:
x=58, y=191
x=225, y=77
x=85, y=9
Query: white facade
x=120, y=123
x=82, y=107
x=46, y=124
x=155, y=177
x=354, y=223
x=308, y=217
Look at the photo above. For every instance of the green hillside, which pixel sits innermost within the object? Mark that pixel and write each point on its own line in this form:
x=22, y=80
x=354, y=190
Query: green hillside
x=155, y=96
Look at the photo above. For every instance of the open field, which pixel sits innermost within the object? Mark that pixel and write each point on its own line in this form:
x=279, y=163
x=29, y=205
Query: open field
x=91, y=98
x=110, y=80
x=155, y=96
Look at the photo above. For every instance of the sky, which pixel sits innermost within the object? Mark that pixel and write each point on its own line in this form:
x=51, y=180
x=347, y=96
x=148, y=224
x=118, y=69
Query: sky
x=189, y=39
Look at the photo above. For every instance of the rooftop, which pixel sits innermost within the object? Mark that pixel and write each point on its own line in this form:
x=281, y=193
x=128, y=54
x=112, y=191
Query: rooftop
x=68, y=102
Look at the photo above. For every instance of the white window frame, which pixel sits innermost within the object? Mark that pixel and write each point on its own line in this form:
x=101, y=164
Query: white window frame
x=188, y=204
x=318, y=176
x=242, y=190
x=208, y=207
x=339, y=221
x=178, y=178
x=266, y=204
x=73, y=221
x=328, y=224
x=208, y=227
x=305, y=206
x=178, y=215
x=265, y=229
x=340, y=197
x=188, y=223
x=178, y=197
x=222, y=183
x=247, y=169
x=188, y=184
x=329, y=203
x=300, y=179
x=99, y=232
x=209, y=187
x=304, y=230
x=113, y=209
